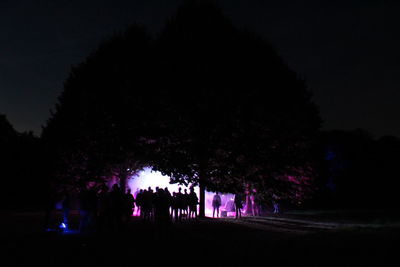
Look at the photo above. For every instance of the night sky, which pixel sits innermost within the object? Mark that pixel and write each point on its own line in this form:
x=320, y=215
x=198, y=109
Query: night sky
x=347, y=50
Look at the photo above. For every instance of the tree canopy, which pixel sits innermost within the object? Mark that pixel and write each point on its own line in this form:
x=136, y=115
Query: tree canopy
x=202, y=102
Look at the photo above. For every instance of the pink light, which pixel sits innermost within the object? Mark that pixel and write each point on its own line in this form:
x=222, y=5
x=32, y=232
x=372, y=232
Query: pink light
x=148, y=178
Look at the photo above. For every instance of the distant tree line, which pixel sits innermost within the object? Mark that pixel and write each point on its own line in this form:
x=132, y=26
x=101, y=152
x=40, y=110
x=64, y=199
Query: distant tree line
x=358, y=170
x=21, y=168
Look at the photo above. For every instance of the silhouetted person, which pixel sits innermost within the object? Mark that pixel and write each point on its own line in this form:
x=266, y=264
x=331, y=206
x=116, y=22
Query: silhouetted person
x=180, y=202
x=185, y=203
x=129, y=205
x=88, y=209
x=275, y=204
x=175, y=206
x=151, y=203
x=116, y=205
x=144, y=208
x=238, y=205
x=156, y=203
x=168, y=199
x=161, y=207
x=216, y=203
x=139, y=203
x=136, y=208
x=254, y=203
x=161, y=212
x=147, y=204
x=103, y=209
x=193, y=201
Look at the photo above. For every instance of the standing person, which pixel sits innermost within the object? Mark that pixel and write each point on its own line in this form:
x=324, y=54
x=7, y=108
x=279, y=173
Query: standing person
x=147, y=204
x=276, y=206
x=150, y=199
x=139, y=203
x=157, y=203
x=185, y=203
x=103, y=209
x=275, y=203
x=216, y=203
x=193, y=201
x=238, y=205
x=161, y=214
x=179, y=202
x=161, y=207
x=168, y=199
x=116, y=206
x=129, y=205
x=175, y=207
x=254, y=203
x=135, y=209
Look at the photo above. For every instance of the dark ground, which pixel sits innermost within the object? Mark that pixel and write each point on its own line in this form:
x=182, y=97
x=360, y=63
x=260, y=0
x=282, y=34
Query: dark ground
x=283, y=240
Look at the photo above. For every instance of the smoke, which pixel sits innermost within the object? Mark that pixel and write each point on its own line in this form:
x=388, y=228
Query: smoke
x=148, y=178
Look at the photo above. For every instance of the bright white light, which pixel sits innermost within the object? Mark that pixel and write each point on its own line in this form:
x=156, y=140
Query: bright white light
x=148, y=178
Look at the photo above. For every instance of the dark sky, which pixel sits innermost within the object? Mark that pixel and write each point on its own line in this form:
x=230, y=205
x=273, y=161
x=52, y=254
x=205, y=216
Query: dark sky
x=348, y=51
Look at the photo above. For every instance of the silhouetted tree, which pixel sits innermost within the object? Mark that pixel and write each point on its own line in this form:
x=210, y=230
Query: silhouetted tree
x=8, y=160
x=91, y=131
x=21, y=167
x=205, y=103
x=244, y=116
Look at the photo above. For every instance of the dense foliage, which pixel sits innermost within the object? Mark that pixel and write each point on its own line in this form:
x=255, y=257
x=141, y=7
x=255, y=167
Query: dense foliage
x=204, y=102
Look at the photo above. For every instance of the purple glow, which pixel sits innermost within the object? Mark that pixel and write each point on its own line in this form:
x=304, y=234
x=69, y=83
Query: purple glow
x=147, y=178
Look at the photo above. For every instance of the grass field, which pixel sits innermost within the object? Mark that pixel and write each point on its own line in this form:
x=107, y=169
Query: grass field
x=283, y=240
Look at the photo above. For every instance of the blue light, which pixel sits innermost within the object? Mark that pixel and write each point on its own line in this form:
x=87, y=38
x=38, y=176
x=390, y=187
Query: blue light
x=330, y=155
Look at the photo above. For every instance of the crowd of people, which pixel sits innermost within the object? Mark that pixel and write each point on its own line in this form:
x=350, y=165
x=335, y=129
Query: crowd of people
x=102, y=210
x=162, y=205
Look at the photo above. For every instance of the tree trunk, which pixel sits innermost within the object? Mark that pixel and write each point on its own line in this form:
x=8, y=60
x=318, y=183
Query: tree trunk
x=123, y=175
x=202, y=189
